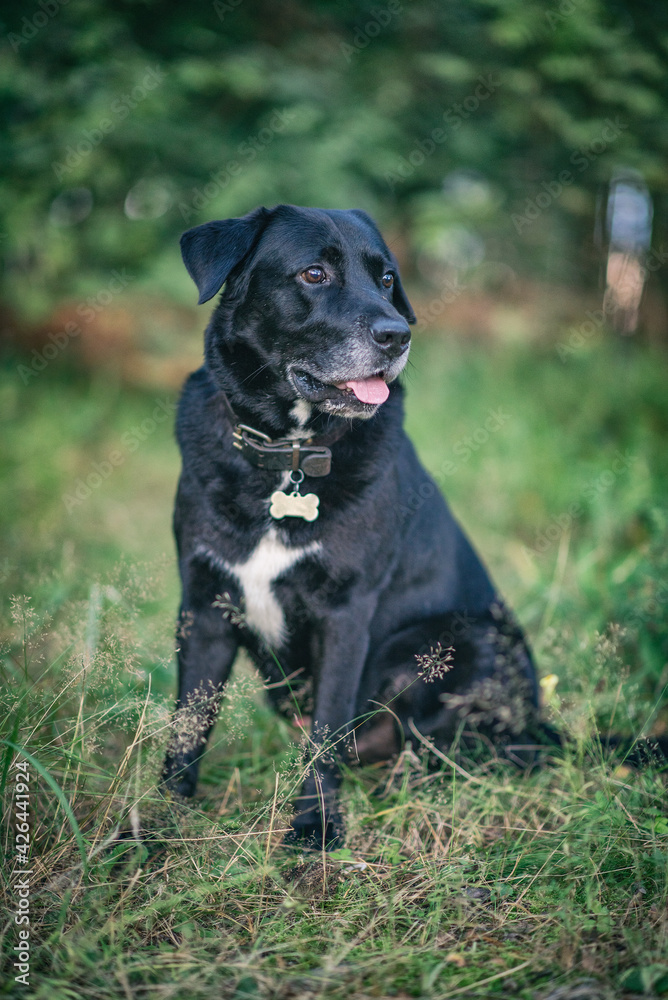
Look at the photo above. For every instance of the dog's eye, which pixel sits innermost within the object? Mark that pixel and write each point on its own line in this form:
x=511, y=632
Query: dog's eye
x=313, y=275
x=387, y=280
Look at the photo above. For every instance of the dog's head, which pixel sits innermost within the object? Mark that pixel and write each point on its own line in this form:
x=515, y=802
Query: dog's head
x=314, y=294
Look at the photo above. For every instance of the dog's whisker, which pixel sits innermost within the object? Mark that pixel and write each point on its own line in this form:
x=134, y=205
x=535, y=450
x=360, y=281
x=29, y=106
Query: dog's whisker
x=255, y=373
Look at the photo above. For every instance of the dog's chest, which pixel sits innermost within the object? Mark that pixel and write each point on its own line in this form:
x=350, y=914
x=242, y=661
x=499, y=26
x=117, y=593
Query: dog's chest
x=269, y=560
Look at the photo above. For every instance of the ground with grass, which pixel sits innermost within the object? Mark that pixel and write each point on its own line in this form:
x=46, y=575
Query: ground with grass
x=483, y=882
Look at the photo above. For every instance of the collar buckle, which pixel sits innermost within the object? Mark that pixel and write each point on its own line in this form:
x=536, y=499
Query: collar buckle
x=311, y=455
x=241, y=429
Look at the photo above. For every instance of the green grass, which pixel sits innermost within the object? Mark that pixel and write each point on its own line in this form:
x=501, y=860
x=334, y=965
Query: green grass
x=485, y=883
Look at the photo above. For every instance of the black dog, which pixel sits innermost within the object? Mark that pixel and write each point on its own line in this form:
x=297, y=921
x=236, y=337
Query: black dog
x=297, y=502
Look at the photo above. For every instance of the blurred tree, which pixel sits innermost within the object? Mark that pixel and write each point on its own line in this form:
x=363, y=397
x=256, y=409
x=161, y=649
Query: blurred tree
x=475, y=128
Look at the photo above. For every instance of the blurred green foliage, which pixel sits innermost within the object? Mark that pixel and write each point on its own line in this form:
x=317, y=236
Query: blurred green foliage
x=129, y=121
x=589, y=584
x=455, y=123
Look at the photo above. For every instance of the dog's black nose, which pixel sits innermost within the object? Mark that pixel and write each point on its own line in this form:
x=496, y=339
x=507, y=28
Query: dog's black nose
x=393, y=335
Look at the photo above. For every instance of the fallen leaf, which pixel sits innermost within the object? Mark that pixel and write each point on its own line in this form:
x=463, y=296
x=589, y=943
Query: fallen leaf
x=456, y=959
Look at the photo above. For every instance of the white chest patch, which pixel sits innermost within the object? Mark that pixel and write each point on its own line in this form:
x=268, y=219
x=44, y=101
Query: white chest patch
x=269, y=559
x=301, y=413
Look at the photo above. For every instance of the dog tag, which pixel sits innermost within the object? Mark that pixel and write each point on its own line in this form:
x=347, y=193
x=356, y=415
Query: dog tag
x=294, y=505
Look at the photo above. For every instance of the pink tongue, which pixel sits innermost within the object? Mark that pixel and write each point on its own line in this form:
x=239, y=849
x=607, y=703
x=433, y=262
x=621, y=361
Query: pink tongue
x=369, y=390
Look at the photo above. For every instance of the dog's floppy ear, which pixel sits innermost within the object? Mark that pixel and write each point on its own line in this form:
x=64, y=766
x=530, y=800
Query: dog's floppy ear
x=399, y=297
x=400, y=300
x=212, y=250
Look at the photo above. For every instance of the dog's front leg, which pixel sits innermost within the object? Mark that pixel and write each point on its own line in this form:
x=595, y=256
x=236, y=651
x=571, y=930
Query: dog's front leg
x=208, y=646
x=345, y=647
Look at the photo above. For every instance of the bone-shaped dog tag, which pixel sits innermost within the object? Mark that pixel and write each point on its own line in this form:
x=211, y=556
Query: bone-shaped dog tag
x=294, y=505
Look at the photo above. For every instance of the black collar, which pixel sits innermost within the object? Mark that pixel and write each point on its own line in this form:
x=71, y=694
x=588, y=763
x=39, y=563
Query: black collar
x=310, y=454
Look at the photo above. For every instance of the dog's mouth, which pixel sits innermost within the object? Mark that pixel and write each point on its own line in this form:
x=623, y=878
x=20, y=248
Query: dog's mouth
x=369, y=392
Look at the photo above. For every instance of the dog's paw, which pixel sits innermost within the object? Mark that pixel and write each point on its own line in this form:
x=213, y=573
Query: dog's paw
x=175, y=794
x=312, y=836
x=177, y=784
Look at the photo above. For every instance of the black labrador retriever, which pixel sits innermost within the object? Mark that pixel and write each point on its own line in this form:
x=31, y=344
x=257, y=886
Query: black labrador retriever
x=298, y=533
